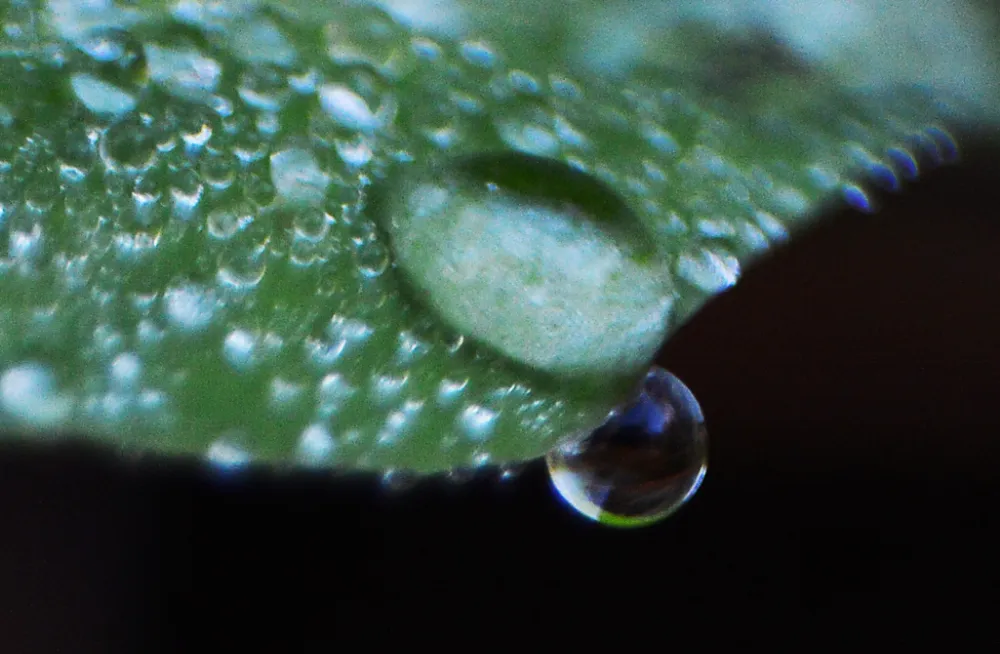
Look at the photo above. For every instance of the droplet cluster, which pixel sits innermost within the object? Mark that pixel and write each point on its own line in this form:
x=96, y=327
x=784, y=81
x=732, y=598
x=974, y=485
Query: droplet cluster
x=186, y=259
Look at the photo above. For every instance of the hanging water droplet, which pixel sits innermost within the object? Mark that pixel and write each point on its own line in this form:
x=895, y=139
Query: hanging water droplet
x=541, y=262
x=642, y=464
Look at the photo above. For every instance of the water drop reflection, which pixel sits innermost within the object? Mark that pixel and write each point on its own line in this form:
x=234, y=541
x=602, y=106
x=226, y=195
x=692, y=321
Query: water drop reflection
x=642, y=464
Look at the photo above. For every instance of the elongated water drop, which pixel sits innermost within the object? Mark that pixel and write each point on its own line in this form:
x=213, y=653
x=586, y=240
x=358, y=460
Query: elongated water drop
x=543, y=264
x=640, y=466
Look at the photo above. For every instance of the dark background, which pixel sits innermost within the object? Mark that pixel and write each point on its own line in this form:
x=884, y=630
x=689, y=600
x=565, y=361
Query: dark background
x=851, y=384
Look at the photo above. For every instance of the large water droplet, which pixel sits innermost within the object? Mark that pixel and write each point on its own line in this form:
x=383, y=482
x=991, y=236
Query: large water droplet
x=535, y=259
x=642, y=464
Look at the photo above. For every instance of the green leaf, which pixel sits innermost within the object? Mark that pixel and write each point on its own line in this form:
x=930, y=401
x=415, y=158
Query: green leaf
x=192, y=263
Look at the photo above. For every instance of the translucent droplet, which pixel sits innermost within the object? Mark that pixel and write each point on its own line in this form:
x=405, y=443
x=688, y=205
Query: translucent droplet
x=225, y=223
x=229, y=452
x=261, y=42
x=28, y=394
x=101, y=97
x=297, y=177
x=242, y=269
x=128, y=146
x=334, y=391
x=185, y=73
x=708, y=270
x=642, y=464
x=541, y=262
x=372, y=258
x=311, y=225
x=315, y=445
x=264, y=88
x=191, y=307
x=239, y=349
x=218, y=170
x=857, y=198
x=477, y=422
x=479, y=54
x=126, y=371
x=347, y=108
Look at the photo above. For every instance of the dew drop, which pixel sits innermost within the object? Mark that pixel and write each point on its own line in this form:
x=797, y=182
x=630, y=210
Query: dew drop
x=297, y=177
x=372, y=258
x=857, y=198
x=191, y=307
x=126, y=371
x=239, y=349
x=347, y=108
x=225, y=223
x=539, y=261
x=315, y=445
x=477, y=422
x=28, y=394
x=229, y=452
x=645, y=462
x=479, y=54
x=261, y=42
x=218, y=170
x=397, y=481
x=334, y=391
x=185, y=73
x=101, y=97
x=264, y=88
x=128, y=146
x=710, y=271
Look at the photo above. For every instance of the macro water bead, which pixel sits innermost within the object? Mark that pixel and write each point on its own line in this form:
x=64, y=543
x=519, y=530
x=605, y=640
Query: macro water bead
x=643, y=464
x=537, y=260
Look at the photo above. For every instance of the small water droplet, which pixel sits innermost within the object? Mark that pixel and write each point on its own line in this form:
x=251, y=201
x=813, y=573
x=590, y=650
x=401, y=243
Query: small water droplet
x=641, y=465
x=128, y=146
x=28, y=394
x=242, y=269
x=477, y=422
x=218, y=170
x=229, y=452
x=334, y=391
x=239, y=349
x=264, y=88
x=184, y=73
x=708, y=270
x=191, y=307
x=101, y=97
x=397, y=481
x=347, y=108
x=479, y=54
x=372, y=258
x=126, y=371
x=316, y=445
x=449, y=390
x=226, y=222
x=297, y=177
x=857, y=198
